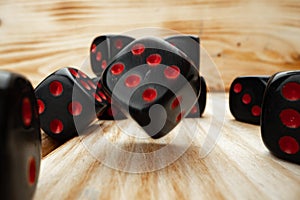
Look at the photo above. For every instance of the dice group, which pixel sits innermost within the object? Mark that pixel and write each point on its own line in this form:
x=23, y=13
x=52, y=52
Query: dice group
x=142, y=75
x=274, y=103
x=154, y=81
x=20, y=137
x=67, y=101
x=104, y=48
x=132, y=76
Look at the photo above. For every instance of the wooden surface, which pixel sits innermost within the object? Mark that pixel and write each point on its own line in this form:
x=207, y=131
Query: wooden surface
x=243, y=37
x=239, y=167
x=239, y=37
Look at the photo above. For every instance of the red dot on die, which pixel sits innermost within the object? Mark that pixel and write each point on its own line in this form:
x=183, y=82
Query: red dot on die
x=104, y=64
x=154, y=59
x=31, y=171
x=56, y=88
x=93, y=48
x=291, y=91
x=176, y=102
x=179, y=117
x=194, y=110
x=92, y=84
x=74, y=73
x=56, y=126
x=172, y=72
x=117, y=68
x=132, y=80
x=96, y=96
x=26, y=111
x=98, y=56
x=237, y=88
x=137, y=49
x=118, y=44
x=246, y=99
x=256, y=110
x=288, y=145
x=85, y=85
x=290, y=118
x=149, y=94
x=102, y=95
x=82, y=74
x=75, y=108
x=41, y=106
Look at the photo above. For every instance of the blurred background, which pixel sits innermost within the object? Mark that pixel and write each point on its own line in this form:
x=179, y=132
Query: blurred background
x=242, y=37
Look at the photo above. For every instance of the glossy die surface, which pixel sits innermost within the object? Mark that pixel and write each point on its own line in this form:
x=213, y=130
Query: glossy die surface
x=188, y=44
x=68, y=103
x=111, y=112
x=150, y=71
x=245, y=98
x=280, y=122
x=104, y=48
x=198, y=109
x=20, y=148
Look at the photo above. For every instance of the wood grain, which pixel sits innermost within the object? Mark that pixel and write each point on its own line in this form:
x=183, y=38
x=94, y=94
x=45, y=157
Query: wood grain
x=238, y=37
x=242, y=37
x=239, y=167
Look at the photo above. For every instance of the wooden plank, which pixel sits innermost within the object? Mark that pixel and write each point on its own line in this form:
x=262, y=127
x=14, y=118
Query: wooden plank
x=240, y=167
x=242, y=37
x=48, y=144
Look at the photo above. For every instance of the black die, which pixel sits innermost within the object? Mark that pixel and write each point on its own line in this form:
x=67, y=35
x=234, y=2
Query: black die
x=68, y=103
x=245, y=98
x=188, y=44
x=280, y=120
x=104, y=48
x=198, y=109
x=150, y=71
x=20, y=137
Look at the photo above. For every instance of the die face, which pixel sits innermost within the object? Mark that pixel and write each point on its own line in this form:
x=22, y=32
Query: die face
x=20, y=138
x=140, y=69
x=188, y=44
x=68, y=103
x=148, y=59
x=117, y=43
x=162, y=119
x=104, y=48
x=280, y=121
x=245, y=98
x=198, y=109
x=99, y=54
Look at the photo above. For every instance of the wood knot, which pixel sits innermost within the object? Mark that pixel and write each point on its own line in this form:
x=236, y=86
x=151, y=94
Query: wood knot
x=219, y=55
x=238, y=44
